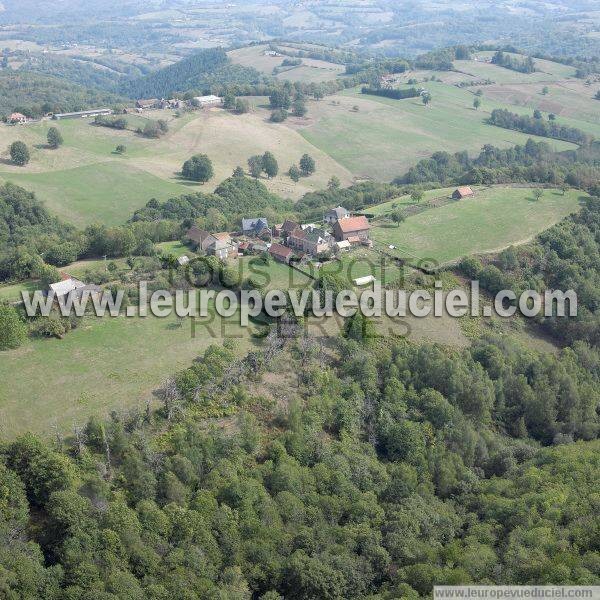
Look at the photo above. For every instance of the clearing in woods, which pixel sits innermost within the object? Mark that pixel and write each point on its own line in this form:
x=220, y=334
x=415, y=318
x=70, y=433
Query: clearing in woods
x=105, y=364
x=310, y=71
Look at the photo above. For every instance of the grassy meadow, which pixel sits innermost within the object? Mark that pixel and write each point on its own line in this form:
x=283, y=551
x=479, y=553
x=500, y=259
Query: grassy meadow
x=493, y=219
x=85, y=181
x=398, y=133
x=106, y=364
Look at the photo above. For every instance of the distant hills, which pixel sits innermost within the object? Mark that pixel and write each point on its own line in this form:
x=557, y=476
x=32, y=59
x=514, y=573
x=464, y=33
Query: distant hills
x=34, y=94
x=200, y=71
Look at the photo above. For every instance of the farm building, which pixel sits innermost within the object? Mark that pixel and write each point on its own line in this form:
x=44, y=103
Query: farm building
x=219, y=249
x=17, y=118
x=311, y=240
x=147, y=104
x=462, y=192
x=207, y=101
x=286, y=228
x=281, y=253
x=353, y=229
x=83, y=114
x=335, y=214
x=343, y=245
x=70, y=285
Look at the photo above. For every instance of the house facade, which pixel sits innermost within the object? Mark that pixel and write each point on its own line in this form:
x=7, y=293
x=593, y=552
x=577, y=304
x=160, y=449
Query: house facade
x=200, y=238
x=146, y=104
x=217, y=244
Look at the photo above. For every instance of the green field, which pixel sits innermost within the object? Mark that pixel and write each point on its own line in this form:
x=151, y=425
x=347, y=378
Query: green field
x=380, y=210
x=104, y=192
x=106, y=364
x=398, y=133
x=175, y=248
x=493, y=219
x=84, y=181
x=274, y=276
x=12, y=292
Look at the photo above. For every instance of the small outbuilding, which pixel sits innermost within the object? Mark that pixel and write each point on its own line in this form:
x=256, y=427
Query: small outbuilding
x=462, y=192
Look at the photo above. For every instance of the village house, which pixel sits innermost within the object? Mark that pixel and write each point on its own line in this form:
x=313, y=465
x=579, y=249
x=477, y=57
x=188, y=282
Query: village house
x=281, y=253
x=310, y=240
x=462, y=192
x=217, y=244
x=285, y=229
x=255, y=227
x=353, y=229
x=230, y=246
x=200, y=238
x=17, y=118
x=296, y=239
x=335, y=214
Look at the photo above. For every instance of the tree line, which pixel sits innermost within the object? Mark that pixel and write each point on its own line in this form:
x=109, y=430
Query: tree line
x=536, y=125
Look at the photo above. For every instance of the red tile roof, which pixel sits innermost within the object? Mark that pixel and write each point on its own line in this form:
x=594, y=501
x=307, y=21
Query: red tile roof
x=353, y=224
x=280, y=251
x=464, y=191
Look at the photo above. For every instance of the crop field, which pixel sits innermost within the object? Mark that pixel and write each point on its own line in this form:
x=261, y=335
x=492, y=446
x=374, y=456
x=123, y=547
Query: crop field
x=493, y=219
x=398, y=133
x=105, y=364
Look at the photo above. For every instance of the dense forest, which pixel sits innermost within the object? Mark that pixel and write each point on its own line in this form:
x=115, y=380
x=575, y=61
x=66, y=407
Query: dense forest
x=101, y=73
x=378, y=471
x=201, y=71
